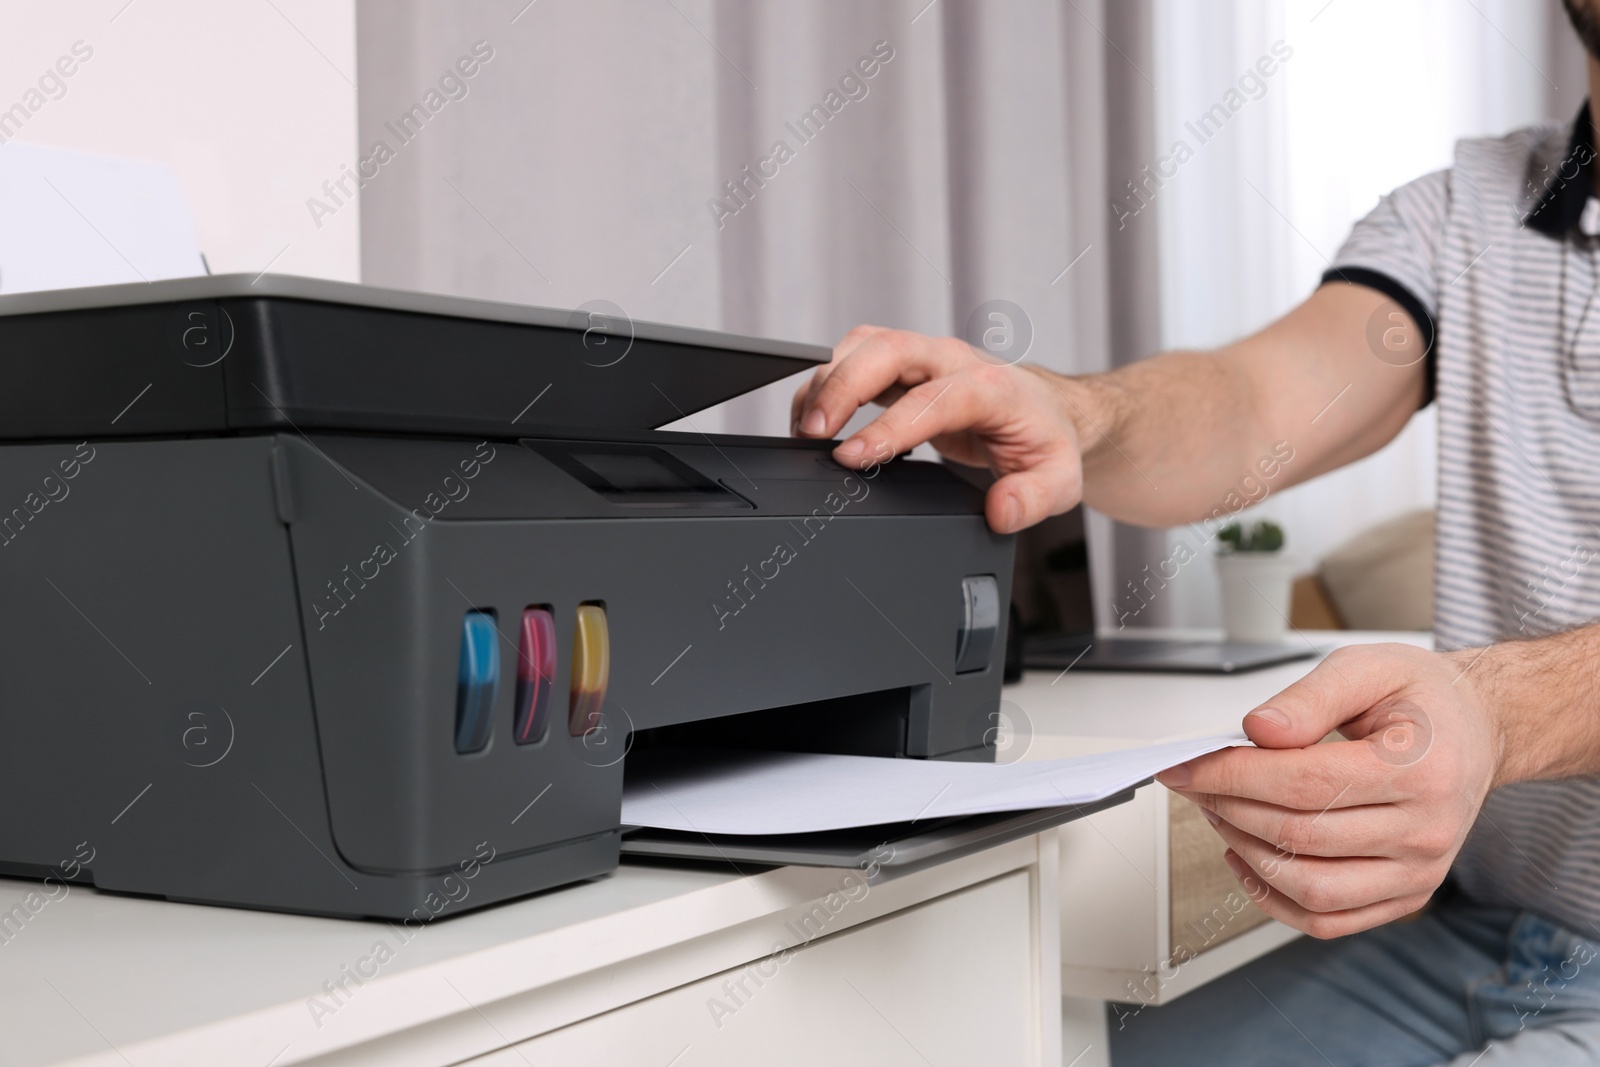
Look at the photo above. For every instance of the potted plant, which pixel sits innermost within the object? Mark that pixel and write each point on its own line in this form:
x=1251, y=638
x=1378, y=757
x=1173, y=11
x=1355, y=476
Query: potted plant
x=1256, y=577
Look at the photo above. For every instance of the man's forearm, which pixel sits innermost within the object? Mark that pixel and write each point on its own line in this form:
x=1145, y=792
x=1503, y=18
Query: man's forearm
x=1175, y=439
x=1544, y=699
x=1172, y=439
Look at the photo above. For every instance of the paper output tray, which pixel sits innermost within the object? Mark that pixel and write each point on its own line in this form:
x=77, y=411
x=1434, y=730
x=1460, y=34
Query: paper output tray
x=910, y=844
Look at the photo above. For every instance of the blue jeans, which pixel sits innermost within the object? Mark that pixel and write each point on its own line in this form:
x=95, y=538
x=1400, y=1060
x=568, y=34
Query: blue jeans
x=1462, y=985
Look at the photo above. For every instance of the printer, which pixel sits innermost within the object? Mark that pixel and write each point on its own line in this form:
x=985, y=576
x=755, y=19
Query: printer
x=330, y=599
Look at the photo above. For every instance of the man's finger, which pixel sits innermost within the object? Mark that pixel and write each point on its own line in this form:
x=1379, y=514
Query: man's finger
x=1319, y=924
x=1344, y=686
x=1026, y=497
x=1370, y=830
x=852, y=340
x=928, y=410
x=1320, y=884
x=800, y=403
x=1339, y=774
x=878, y=362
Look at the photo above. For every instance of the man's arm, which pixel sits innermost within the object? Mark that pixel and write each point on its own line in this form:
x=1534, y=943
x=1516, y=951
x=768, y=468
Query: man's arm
x=1329, y=838
x=1161, y=442
x=1545, y=695
x=1339, y=837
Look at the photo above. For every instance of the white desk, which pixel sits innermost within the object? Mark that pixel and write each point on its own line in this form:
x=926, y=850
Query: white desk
x=963, y=962
x=1118, y=891
x=956, y=963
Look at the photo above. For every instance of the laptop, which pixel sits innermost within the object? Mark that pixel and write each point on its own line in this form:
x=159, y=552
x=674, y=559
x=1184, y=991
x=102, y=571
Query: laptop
x=1053, y=617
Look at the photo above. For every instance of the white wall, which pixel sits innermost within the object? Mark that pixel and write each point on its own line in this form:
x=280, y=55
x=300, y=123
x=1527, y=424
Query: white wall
x=251, y=103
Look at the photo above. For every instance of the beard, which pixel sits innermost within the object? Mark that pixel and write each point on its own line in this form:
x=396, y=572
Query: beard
x=1586, y=21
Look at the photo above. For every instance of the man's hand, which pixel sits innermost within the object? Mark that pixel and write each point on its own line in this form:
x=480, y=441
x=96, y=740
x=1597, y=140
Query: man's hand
x=1339, y=837
x=1017, y=421
x=1161, y=442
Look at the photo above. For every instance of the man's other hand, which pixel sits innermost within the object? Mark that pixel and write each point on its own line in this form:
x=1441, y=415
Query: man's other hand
x=1338, y=837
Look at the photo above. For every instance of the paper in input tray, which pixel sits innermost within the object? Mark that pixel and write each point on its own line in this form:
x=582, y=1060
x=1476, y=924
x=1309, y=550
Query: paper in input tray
x=766, y=793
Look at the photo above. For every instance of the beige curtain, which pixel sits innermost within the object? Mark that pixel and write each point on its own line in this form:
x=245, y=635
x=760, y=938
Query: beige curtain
x=586, y=159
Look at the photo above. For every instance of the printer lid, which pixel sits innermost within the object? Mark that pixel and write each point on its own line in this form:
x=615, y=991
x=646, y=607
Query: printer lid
x=239, y=351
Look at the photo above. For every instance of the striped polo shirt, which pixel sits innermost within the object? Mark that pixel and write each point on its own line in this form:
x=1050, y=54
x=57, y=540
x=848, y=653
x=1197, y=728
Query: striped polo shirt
x=1497, y=260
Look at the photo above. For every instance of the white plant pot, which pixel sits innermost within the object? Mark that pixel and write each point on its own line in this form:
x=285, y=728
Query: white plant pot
x=1255, y=594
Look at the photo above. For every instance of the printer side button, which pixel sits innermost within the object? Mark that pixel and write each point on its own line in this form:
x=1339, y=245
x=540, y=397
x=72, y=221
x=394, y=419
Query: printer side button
x=536, y=674
x=980, y=622
x=591, y=668
x=477, y=681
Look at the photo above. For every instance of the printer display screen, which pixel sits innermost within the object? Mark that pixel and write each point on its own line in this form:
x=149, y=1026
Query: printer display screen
x=639, y=475
x=635, y=472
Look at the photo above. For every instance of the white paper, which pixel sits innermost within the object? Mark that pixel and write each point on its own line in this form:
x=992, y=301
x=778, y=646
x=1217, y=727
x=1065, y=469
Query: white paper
x=70, y=219
x=798, y=792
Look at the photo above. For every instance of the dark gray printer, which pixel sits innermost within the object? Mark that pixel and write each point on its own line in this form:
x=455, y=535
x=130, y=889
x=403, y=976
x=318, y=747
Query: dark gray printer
x=329, y=599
